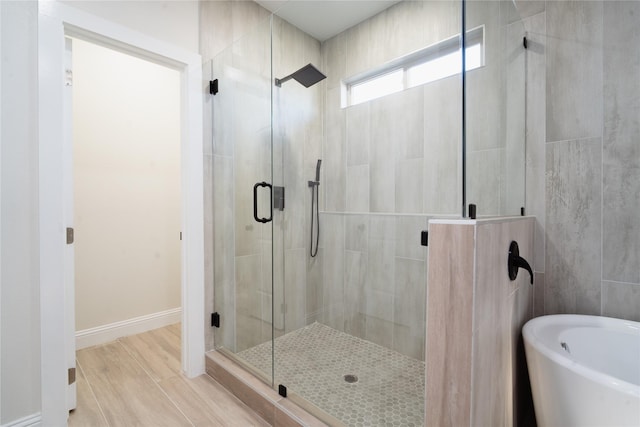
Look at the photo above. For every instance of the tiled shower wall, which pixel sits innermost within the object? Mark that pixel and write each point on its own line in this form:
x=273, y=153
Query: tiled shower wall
x=583, y=156
x=374, y=275
x=399, y=153
x=393, y=162
x=388, y=164
x=369, y=266
x=297, y=145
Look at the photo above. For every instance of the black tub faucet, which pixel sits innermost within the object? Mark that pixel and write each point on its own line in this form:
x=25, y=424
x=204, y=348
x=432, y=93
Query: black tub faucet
x=516, y=262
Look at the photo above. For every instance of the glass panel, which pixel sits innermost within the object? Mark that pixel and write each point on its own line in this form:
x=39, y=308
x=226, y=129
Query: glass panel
x=495, y=112
x=241, y=110
x=349, y=323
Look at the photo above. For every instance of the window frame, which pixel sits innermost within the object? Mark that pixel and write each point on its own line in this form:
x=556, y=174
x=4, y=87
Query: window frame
x=474, y=37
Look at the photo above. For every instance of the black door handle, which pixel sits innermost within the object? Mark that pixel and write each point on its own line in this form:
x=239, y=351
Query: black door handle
x=255, y=202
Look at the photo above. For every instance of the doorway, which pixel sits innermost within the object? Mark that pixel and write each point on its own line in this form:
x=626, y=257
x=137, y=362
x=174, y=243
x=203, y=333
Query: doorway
x=55, y=21
x=126, y=193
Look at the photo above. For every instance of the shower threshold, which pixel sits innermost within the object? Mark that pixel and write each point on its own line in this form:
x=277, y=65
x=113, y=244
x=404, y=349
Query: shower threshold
x=350, y=379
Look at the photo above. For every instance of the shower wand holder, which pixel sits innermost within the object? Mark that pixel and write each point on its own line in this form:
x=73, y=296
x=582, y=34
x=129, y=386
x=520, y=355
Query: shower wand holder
x=313, y=183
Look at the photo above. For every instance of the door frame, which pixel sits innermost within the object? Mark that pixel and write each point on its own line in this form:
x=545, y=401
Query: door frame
x=55, y=21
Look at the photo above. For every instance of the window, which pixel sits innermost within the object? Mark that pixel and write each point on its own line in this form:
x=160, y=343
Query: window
x=432, y=63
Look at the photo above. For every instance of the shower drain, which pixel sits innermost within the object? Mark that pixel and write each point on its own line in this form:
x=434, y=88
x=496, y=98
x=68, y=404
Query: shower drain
x=351, y=378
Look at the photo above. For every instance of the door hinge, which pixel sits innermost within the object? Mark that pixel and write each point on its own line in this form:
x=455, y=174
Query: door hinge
x=424, y=238
x=213, y=86
x=72, y=375
x=68, y=77
x=215, y=319
x=472, y=211
x=181, y=235
x=69, y=235
x=282, y=390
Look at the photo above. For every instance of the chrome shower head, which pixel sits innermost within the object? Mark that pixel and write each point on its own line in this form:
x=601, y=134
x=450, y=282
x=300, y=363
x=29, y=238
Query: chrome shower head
x=307, y=76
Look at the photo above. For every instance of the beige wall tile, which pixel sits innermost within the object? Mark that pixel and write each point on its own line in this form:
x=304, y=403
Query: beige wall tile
x=442, y=140
x=315, y=285
x=358, y=134
x=408, y=229
x=409, y=184
x=356, y=266
x=358, y=189
x=357, y=232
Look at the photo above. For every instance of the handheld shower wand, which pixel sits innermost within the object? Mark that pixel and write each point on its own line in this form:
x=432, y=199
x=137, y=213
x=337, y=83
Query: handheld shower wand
x=318, y=171
x=315, y=201
x=317, y=181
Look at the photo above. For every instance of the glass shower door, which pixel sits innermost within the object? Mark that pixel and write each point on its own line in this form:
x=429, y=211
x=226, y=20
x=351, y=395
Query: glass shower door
x=351, y=348
x=242, y=197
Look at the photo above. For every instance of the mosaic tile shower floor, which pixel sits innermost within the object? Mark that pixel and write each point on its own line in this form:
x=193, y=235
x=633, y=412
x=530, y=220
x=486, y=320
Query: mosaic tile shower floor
x=313, y=362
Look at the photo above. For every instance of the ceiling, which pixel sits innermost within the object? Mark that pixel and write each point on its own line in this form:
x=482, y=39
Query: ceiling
x=323, y=19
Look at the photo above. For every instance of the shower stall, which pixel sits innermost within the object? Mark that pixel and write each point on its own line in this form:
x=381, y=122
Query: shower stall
x=319, y=279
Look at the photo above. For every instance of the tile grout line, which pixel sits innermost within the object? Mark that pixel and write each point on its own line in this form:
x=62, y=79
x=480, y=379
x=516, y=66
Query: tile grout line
x=95, y=398
x=157, y=383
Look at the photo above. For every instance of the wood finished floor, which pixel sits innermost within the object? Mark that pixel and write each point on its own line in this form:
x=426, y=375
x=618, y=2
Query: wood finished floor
x=136, y=381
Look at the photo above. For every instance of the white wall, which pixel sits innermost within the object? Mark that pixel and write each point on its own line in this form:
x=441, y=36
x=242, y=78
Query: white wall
x=20, y=357
x=126, y=132
x=20, y=371
x=175, y=21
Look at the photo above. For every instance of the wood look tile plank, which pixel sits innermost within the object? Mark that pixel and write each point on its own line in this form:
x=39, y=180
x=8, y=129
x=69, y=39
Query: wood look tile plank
x=206, y=403
x=137, y=382
x=449, y=325
x=157, y=350
x=176, y=329
x=127, y=395
x=87, y=412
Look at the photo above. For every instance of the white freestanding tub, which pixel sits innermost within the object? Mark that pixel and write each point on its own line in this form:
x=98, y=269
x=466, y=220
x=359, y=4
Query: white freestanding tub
x=584, y=370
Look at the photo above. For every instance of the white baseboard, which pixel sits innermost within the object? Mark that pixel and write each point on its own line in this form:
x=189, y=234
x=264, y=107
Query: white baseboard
x=107, y=333
x=28, y=421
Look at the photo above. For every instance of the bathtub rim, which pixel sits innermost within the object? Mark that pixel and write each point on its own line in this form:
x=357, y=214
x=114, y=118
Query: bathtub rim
x=563, y=322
